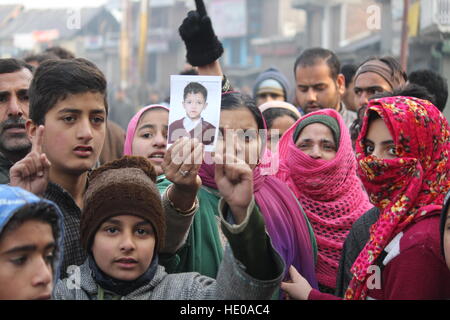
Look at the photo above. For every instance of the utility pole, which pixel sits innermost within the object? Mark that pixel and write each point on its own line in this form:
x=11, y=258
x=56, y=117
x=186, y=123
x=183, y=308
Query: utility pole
x=143, y=34
x=124, y=46
x=404, y=42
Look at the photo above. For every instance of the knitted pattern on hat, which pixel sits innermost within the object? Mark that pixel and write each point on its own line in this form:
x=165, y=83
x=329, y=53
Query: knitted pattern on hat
x=122, y=187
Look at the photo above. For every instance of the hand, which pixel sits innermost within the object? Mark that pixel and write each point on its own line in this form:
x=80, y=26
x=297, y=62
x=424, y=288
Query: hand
x=184, y=156
x=202, y=45
x=32, y=172
x=234, y=179
x=298, y=288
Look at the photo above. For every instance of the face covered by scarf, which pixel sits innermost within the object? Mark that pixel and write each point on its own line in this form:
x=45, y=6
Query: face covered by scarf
x=284, y=219
x=406, y=188
x=329, y=191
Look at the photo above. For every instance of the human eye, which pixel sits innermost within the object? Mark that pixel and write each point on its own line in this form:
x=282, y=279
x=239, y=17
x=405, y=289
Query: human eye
x=97, y=120
x=329, y=147
x=24, y=96
x=371, y=92
x=392, y=151
x=19, y=261
x=303, y=145
x=320, y=87
x=303, y=89
x=69, y=119
x=111, y=230
x=369, y=149
x=142, y=232
x=147, y=135
x=50, y=257
x=358, y=91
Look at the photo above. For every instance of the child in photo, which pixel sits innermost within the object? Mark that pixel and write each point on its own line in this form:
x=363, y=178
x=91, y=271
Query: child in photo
x=31, y=234
x=193, y=125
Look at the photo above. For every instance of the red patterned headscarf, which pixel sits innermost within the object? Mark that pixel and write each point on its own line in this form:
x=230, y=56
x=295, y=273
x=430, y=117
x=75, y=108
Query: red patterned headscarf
x=406, y=188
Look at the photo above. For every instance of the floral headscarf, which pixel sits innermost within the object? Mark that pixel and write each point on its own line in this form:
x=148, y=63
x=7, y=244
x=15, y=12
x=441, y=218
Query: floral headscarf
x=406, y=188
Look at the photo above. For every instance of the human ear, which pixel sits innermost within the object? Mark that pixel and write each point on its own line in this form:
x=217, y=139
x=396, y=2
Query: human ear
x=341, y=83
x=31, y=128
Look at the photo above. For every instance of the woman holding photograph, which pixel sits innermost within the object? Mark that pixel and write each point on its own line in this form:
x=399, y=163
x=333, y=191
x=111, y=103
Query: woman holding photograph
x=286, y=223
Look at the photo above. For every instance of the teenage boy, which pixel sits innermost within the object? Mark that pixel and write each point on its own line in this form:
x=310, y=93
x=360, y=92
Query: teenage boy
x=193, y=125
x=30, y=245
x=67, y=126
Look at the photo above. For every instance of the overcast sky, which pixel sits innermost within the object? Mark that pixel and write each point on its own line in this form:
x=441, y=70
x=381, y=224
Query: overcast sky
x=55, y=3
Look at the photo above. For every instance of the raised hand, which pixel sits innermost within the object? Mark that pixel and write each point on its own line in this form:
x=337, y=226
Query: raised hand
x=202, y=45
x=32, y=172
x=200, y=5
x=234, y=179
x=181, y=165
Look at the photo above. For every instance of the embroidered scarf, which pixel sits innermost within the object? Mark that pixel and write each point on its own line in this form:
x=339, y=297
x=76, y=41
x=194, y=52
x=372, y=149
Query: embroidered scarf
x=406, y=188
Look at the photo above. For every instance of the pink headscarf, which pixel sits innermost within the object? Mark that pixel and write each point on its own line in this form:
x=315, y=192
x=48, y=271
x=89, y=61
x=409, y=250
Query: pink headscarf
x=131, y=130
x=329, y=191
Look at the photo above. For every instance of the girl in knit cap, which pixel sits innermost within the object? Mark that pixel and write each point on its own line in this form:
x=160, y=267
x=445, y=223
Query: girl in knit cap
x=318, y=164
x=204, y=248
x=403, y=153
x=123, y=230
x=31, y=240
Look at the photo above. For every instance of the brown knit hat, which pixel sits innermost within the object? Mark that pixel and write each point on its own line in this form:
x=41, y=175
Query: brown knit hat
x=122, y=187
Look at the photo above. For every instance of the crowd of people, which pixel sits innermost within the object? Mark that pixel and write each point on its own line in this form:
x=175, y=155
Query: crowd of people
x=339, y=188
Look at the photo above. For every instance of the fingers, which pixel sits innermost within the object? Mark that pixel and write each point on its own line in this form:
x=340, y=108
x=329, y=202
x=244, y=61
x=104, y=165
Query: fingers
x=184, y=155
x=32, y=165
x=200, y=7
x=38, y=140
x=218, y=167
x=295, y=276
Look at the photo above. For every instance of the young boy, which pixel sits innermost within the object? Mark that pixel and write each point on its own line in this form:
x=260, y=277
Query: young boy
x=123, y=227
x=193, y=125
x=69, y=98
x=30, y=245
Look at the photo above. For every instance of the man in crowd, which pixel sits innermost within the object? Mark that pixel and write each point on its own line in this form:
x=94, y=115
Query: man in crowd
x=319, y=83
x=15, y=79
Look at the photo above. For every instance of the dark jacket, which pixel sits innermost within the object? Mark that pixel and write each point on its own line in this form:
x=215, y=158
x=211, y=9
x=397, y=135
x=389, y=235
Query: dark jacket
x=353, y=245
x=73, y=252
x=205, y=133
x=5, y=165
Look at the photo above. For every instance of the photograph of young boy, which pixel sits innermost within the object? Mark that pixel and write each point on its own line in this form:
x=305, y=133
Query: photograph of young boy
x=193, y=124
